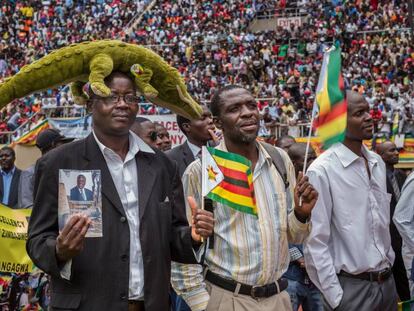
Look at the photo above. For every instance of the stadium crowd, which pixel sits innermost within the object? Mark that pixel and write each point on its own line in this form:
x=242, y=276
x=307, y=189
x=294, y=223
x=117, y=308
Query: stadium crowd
x=211, y=45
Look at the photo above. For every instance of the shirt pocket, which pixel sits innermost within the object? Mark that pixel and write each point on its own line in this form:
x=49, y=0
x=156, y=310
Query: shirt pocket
x=383, y=200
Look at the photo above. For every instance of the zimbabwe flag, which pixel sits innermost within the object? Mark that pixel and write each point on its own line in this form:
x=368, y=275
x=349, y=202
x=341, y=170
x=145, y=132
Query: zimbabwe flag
x=332, y=105
x=227, y=178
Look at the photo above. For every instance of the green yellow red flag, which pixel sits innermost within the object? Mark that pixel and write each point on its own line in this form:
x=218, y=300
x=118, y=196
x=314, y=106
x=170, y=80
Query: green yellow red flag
x=331, y=101
x=227, y=178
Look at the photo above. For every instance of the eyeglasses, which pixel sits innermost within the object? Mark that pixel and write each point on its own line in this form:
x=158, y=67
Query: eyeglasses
x=113, y=99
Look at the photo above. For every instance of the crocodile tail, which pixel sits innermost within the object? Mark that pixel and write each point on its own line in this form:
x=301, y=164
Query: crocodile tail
x=6, y=92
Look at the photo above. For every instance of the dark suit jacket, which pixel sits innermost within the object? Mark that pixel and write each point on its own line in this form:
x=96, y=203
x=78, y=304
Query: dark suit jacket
x=14, y=189
x=182, y=155
x=396, y=240
x=76, y=196
x=100, y=273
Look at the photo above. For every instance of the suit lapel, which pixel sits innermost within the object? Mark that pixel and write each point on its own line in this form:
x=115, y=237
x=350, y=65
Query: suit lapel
x=95, y=161
x=146, y=180
x=188, y=154
x=14, y=186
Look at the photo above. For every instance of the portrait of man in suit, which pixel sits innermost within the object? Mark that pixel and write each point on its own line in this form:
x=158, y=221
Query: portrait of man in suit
x=144, y=222
x=79, y=192
x=10, y=175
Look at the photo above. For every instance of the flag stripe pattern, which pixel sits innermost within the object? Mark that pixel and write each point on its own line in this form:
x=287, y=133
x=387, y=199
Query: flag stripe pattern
x=236, y=190
x=395, y=123
x=332, y=105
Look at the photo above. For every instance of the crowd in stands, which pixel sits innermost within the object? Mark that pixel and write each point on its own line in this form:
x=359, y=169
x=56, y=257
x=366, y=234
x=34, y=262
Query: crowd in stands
x=211, y=45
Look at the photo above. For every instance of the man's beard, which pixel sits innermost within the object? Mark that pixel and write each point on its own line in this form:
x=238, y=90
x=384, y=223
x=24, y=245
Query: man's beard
x=243, y=138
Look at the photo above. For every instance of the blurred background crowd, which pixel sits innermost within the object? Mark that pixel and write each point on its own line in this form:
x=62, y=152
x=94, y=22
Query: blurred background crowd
x=212, y=43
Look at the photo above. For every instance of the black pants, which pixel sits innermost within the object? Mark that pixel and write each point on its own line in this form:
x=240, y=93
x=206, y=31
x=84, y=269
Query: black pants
x=400, y=277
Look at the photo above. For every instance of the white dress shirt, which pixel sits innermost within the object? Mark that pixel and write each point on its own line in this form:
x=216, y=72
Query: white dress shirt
x=194, y=149
x=125, y=177
x=350, y=221
x=404, y=213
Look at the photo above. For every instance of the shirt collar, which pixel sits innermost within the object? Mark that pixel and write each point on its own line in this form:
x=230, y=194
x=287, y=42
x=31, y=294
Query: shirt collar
x=135, y=144
x=194, y=149
x=347, y=157
x=9, y=173
x=262, y=152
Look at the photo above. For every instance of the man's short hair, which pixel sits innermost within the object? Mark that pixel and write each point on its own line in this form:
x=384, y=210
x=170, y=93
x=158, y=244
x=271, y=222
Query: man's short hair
x=141, y=120
x=216, y=99
x=81, y=176
x=180, y=121
x=114, y=74
x=7, y=148
x=282, y=139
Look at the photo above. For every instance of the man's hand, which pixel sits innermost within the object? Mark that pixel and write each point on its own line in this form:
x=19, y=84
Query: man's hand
x=301, y=262
x=307, y=195
x=69, y=242
x=202, y=223
x=216, y=136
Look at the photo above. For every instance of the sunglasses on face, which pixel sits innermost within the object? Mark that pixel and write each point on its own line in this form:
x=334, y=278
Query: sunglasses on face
x=153, y=136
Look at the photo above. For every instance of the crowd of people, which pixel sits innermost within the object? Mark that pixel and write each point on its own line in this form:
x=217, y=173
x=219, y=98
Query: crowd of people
x=211, y=44
x=298, y=268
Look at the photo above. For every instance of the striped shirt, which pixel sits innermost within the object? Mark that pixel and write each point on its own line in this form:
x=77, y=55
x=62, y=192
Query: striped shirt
x=247, y=249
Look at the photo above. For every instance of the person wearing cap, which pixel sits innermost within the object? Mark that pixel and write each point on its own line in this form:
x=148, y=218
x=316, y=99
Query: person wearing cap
x=47, y=140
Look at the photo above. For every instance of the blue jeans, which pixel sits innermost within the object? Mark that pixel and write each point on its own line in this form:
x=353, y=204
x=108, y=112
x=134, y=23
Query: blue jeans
x=306, y=295
x=178, y=303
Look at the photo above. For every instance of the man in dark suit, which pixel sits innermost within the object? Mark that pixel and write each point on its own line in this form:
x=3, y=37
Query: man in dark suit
x=198, y=133
x=9, y=183
x=395, y=180
x=80, y=193
x=144, y=222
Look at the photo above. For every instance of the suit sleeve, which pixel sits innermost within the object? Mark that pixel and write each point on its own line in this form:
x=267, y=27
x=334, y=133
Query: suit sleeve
x=43, y=225
x=181, y=241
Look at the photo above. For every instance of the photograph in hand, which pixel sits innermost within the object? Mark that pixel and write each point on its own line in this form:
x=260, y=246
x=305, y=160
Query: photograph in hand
x=80, y=193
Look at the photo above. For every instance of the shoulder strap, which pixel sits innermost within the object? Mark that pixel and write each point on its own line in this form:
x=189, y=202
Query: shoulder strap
x=277, y=162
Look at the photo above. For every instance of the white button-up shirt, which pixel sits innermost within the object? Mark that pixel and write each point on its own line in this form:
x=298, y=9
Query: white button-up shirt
x=350, y=221
x=125, y=177
x=404, y=213
x=194, y=149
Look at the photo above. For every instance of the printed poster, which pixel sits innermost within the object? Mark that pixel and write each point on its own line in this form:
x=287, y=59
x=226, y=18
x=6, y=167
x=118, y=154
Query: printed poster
x=80, y=193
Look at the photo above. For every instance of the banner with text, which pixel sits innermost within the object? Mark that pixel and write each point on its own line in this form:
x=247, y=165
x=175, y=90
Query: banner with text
x=74, y=127
x=13, y=236
x=169, y=121
x=287, y=22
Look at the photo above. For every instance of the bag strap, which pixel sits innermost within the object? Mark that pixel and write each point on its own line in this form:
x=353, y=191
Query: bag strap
x=277, y=162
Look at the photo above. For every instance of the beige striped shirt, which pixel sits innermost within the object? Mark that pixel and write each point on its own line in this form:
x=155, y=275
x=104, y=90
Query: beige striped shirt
x=246, y=249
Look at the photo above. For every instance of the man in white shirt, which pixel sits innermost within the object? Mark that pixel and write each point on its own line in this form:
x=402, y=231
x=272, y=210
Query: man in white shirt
x=348, y=253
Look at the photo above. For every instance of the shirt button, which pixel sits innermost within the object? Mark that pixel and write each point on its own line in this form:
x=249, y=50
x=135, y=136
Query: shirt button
x=122, y=219
x=124, y=257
